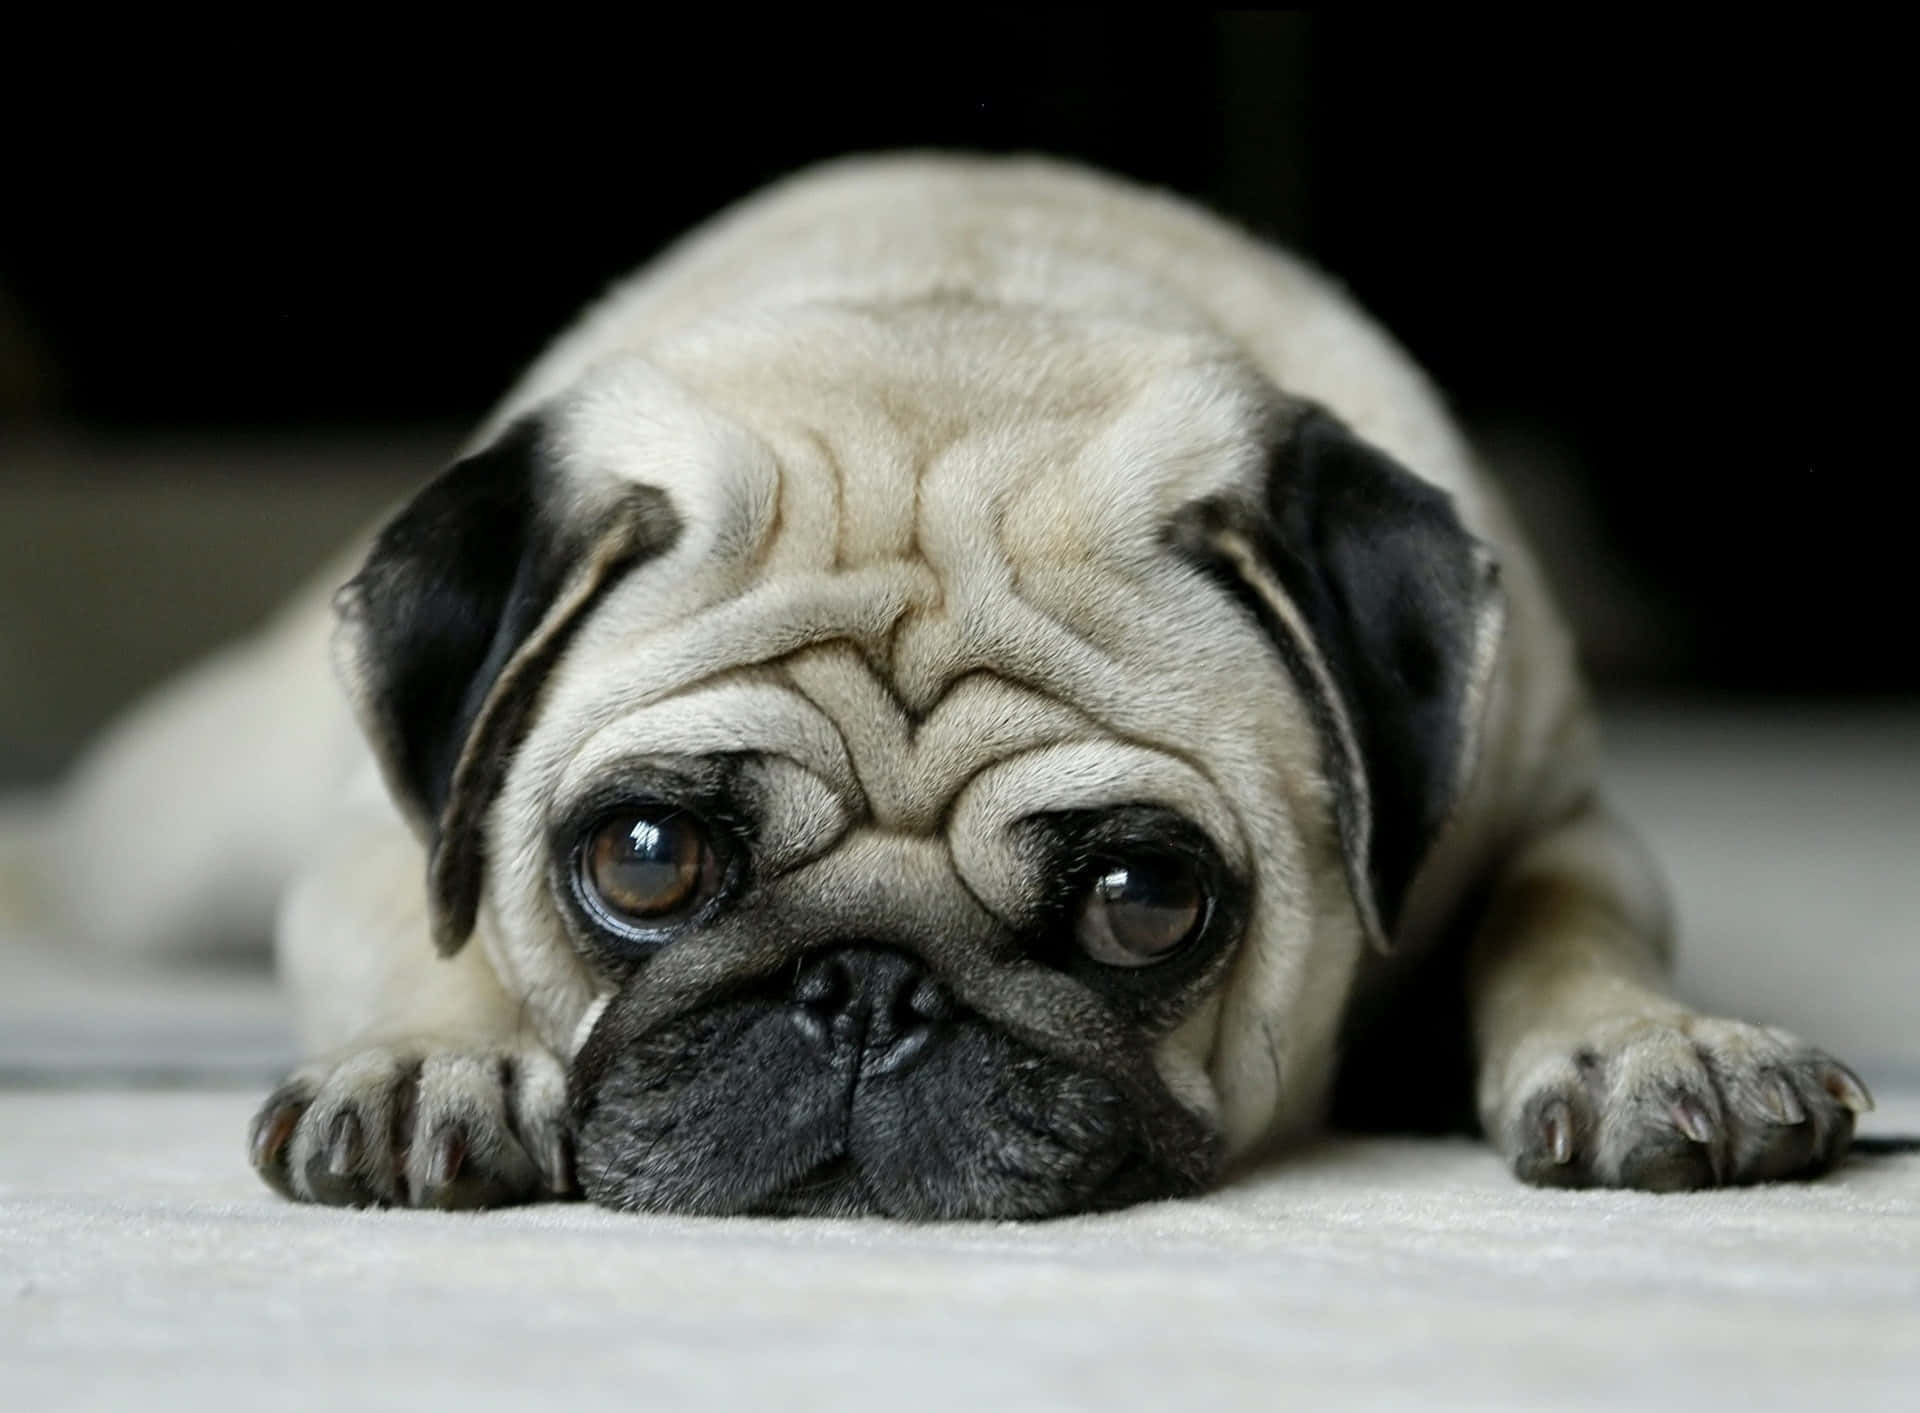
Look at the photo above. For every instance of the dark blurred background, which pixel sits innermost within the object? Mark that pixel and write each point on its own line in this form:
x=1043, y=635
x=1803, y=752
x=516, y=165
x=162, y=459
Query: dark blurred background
x=249, y=289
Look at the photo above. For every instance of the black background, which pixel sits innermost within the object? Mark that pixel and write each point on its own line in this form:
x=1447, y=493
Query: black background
x=1669, y=256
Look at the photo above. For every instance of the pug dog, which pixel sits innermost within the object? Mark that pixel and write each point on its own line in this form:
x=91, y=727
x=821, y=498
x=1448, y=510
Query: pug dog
x=965, y=689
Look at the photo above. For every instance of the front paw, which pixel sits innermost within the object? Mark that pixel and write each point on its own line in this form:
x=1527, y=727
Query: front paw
x=1674, y=1104
x=419, y=1126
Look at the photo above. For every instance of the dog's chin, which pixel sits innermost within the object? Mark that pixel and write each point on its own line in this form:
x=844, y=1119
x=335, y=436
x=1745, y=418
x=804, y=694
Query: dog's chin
x=734, y=1111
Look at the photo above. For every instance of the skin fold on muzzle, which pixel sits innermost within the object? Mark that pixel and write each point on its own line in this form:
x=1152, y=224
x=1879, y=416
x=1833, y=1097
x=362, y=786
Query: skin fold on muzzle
x=863, y=1089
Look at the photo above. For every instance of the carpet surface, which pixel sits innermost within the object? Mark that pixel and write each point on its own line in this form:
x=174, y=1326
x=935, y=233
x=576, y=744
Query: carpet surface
x=141, y=1264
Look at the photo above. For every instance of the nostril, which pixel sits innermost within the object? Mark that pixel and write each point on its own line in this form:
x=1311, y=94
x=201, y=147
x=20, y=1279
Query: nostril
x=870, y=1005
x=914, y=1015
x=819, y=996
x=823, y=987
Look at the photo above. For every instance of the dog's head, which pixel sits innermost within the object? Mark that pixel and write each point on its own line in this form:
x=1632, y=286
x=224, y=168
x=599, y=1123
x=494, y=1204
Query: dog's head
x=925, y=761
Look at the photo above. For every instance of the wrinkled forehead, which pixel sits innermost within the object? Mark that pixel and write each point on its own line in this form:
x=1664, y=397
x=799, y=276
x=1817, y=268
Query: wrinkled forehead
x=913, y=551
x=992, y=754
x=830, y=438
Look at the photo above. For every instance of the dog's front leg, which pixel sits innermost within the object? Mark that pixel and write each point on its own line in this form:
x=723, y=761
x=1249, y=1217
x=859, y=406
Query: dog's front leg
x=1590, y=1074
x=426, y=1089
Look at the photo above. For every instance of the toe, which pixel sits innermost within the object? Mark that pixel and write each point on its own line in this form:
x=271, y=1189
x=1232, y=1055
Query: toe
x=464, y=1152
x=1549, y=1150
x=343, y=1152
x=1665, y=1161
x=460, y=1174
x=1779, y=1103
x=271, y=1134
x=1835, y=1096
x=1775, y=1134
x=1663, y=1126
x=1672, y=1139
x=1791, y=1107
x=537, y=1109
x=1846, y=1087
x=336, y=1169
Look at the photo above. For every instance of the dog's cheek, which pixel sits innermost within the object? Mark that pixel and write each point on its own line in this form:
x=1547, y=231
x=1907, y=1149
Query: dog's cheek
x=990, y=1128
x=711, y=1115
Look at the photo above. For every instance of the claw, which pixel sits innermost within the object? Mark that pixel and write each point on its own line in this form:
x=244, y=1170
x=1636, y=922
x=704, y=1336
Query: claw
x=1556, y=1125
x=1846, y=1087
x=343, y=1145
x=448, y=1155
x=272, y=1127
x=1692, y=1119
x=1783, y=1106
x=555, y=1164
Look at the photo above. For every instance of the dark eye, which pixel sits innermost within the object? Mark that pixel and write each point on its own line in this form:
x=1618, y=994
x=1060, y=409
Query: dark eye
x=649, y=866
x=1141, y=907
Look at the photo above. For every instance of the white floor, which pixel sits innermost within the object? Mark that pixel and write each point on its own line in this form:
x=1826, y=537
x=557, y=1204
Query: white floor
x=142, y=1266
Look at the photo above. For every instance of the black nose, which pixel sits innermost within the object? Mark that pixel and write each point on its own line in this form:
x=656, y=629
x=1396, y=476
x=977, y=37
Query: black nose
x=869, y=1006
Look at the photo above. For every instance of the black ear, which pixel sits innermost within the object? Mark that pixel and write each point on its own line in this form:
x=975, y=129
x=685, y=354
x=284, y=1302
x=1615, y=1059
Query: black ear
x=448, y=631
x=1388, y=613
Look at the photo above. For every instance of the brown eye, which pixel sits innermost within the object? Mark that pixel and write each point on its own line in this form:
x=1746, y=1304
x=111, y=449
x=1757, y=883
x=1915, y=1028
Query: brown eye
x=649, y=866
x=1140, y=908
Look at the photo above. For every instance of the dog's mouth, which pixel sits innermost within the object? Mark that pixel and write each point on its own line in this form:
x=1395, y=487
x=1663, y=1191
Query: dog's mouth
x=836, y=1189
x=745, y=1108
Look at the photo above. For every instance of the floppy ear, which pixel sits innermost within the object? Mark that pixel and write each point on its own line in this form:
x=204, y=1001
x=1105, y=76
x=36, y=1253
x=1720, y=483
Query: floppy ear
x=448, y=631
x=1388, y=614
